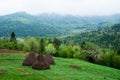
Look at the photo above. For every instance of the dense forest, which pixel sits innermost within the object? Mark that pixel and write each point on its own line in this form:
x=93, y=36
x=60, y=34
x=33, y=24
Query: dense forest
x=52, y=25
x=106, y=37
x=93, y=39
x=100, y=46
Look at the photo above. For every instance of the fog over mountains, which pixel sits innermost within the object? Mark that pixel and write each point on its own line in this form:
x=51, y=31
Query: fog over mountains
x=52, y=25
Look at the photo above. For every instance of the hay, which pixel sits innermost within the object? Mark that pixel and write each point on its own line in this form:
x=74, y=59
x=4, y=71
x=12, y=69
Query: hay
x=30, y=59
x=49, y=59
x=41, y=63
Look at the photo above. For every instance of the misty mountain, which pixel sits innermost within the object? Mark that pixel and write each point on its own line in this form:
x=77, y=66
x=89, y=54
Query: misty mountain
x=51, y=25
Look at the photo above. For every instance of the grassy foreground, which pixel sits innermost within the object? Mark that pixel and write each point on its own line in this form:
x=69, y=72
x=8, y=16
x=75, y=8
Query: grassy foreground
x=11, y=69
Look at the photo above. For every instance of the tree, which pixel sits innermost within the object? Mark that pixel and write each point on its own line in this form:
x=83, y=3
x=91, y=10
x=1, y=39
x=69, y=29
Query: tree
x=42, y=46
x=91, y=51
x=13, y=38
x=56, y=43
x=33, y=43
x=50, y=49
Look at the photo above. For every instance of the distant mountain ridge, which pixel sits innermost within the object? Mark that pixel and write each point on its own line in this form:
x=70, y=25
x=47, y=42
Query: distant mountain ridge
x=51, y=25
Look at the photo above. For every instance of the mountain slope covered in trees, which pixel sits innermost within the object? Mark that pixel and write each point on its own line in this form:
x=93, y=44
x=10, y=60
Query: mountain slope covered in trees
x=24, y=24
x=105, y=37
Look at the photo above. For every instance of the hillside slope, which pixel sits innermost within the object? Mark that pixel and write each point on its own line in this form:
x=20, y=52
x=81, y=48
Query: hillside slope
x=24, y=24
x=107, y=37
x=11, y=69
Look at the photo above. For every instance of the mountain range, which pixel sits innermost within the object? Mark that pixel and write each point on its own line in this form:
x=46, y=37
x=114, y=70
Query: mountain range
x=52, y=25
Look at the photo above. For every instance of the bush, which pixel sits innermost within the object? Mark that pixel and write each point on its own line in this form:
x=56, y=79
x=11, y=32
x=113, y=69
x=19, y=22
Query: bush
x=62, y=51
x=26, y=47
x=20, y=46
x=116, y=61
x=106, y=59
x=12, y=45
x=50, y=49
x=110, y=58
x=68, y=51
x=57, y=53
x=78, y=53
x=32, y=43
x=91, y=51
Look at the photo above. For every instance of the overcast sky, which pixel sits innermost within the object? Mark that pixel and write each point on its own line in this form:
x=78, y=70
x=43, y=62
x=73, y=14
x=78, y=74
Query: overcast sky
x=74, y=7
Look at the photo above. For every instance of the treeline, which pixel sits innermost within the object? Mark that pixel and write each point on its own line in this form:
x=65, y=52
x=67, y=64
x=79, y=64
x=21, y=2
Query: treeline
x=106, y=38
x=51, y=25
x=86, y=51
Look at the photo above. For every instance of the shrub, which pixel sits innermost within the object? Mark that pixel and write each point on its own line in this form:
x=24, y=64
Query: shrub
x=20, y=46
x=11, y=45
x=33, y=44
x=110, y=58
x=91, y=51
x=106, y=59
x=50, y=49
x=57, y=53
x=67, y=51
x=62, y=51
x=116, y=61
x=78, y=53
x=26, y=47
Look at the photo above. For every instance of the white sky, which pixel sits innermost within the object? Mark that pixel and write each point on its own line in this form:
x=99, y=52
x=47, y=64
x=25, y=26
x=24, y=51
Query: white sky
x=73, y=7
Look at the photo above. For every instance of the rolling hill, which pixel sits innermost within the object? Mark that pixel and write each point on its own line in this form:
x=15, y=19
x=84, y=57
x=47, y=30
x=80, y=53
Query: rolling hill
x=51, y=25
x=105, y=37
x=11, y=69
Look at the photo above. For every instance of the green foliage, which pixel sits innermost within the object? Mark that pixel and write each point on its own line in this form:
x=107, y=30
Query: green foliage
x=56, y=43
x=26, y=47
x=20, y=46
x=12, y=70
x=70, y=51
x=110, y=58
x=91, y=51
x=33, y=43
x=104, y=37
x=41, y=46
x=11, y=45
x=106, y=59
x=5, y=43
x=62, y=51
x=78, y=52
x=67, y=51
x=13, y=38
x=51, y=25
x=50, y=49
x=116, y=61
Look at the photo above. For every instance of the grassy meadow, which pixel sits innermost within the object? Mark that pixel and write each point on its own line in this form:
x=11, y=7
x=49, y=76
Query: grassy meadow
x=11, y=69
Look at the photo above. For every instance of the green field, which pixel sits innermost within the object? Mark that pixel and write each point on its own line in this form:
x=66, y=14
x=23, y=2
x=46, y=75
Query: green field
x=11, y=69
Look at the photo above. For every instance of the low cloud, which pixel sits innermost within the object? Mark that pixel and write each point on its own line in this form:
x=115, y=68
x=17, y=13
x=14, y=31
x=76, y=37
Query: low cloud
x=73, y=7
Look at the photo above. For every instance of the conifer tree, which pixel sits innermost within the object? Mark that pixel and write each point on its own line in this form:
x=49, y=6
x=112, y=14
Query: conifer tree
x=13, y=38
x=42, y=46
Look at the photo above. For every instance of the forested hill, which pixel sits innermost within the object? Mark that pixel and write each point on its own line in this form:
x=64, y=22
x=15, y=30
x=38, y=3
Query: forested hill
x=48, y=25
x=107, y=37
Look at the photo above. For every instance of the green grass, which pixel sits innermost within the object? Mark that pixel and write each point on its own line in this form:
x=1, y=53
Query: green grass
x=11, y=64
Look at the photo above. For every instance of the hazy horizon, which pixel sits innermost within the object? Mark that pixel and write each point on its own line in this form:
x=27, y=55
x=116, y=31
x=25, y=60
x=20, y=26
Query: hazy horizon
x=62, y=7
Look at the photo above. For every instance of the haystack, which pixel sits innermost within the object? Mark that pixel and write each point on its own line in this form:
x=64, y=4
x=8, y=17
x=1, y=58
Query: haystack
x=41, y=63
x=49, y=59
x=30, y=59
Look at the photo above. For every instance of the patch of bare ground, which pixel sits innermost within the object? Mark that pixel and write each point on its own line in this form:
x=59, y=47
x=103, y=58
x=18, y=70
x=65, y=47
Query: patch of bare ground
x=75, y=66
x=11, y=51
x=2, y=71
x=20, y=69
